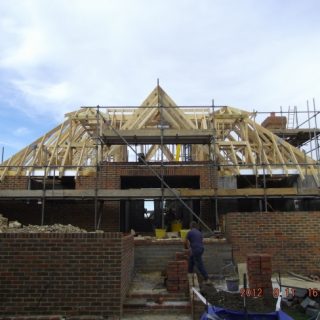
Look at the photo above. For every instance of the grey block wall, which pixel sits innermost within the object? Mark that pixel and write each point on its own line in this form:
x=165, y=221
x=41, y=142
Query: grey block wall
x=227, y=182
x=153, y=255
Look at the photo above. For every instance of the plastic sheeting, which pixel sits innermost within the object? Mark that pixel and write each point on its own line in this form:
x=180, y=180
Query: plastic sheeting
x=220, y=313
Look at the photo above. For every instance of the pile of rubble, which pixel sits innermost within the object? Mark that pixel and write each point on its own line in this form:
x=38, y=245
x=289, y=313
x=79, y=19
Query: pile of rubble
x=305, y=300
x=16, y=227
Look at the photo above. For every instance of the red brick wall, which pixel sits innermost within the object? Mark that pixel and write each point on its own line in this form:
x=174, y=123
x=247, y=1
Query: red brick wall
x=207, y=212
x=259, y=268
x=127, y=264
x=13, y=183
x=81, y=213
x=110, y=178
x=68, y=274
x=111, y=216
x=292, y=238
x=110, y=174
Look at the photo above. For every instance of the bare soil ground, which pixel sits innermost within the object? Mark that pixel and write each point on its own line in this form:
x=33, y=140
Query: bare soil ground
x=234, y=301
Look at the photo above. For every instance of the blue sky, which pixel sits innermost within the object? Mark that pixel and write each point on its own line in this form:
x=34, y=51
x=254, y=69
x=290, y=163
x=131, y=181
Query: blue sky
x=57, y=55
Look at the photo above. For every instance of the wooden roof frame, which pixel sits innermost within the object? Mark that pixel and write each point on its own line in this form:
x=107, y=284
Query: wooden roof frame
x=237, y=142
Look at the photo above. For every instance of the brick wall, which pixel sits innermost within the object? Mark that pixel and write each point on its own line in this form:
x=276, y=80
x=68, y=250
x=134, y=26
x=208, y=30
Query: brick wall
x=153, y=255
x=292, y=238
x=127, y=265
x=68, y=274
x=14, y=183
x=111, y=173
x=259, y=268
x=82, y=213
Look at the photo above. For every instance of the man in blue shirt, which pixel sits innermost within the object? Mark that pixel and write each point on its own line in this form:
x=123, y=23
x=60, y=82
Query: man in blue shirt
x=194, y=241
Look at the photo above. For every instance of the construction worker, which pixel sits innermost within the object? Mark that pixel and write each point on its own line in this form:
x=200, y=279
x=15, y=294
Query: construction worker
x=194, y=242
x=169, y=218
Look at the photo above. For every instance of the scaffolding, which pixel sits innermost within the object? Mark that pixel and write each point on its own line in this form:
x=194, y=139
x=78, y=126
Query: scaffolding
x=228, y=140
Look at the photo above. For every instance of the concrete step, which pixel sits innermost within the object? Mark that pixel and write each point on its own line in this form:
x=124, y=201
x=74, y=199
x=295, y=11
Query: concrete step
x=148, y=295
x=162, y=316
x=167, y=296
x=144, y=305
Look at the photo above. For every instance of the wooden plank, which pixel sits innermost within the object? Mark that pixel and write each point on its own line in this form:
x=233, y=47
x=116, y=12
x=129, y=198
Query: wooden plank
x=151, y=152
x=276, y=148
x=153, y=136
x=155, y=132
x=56, y=145
x=168, y=118
x=22, y=160
x=151, y=193
x=232, y=143
x=291, y=282
x=300, y=276
x=80, y=159
x=294, y=159
x=6, y=169
x=167, y=153
x=234, y=157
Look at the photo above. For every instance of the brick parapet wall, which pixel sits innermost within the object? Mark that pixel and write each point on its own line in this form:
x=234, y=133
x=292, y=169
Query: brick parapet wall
x=68, y=274
x=127, y=265
x=292, y=238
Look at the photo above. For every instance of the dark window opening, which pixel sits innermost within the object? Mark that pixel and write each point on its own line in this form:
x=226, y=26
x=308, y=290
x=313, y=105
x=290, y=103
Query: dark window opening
x=137, y=182
x=276, y=181
x=146, y=215
x=51, y=183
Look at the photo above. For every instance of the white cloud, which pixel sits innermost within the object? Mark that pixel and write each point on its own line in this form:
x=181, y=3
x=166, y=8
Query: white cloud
x=45, y=92
x=64, y=54
x=28, y=53
x=56, y=56
x=21, y=131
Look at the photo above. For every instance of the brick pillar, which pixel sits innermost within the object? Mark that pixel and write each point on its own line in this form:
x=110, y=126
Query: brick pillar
x=259, y=273
x=177, y=273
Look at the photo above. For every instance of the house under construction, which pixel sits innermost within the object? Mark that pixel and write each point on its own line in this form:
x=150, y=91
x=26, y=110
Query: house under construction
x=122, y=168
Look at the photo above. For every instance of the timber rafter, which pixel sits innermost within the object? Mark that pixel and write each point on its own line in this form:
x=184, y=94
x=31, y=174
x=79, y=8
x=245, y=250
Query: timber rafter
x=226, y=135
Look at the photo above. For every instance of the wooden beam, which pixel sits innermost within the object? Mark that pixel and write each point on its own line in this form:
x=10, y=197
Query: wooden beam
x=153, y=193
x=153, y=136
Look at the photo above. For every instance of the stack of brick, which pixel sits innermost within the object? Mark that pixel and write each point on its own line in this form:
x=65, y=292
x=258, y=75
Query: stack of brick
x=177, y=273
x=184, y=255
x=259, y=268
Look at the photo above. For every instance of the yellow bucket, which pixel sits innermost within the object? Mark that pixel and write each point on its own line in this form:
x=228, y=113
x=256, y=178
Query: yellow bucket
x=160, y=233
x=183, y=233
x=176, y=226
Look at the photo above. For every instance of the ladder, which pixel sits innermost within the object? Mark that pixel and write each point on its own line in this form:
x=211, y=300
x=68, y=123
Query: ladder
x=292, y=118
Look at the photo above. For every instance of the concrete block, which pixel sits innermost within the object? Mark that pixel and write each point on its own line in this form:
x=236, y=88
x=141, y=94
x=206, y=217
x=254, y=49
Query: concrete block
x=307, y=302
x=312, y=312
x=300, y=293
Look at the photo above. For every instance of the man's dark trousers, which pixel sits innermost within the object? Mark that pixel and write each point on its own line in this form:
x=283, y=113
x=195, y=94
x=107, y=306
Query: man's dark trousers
x=195, y=259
